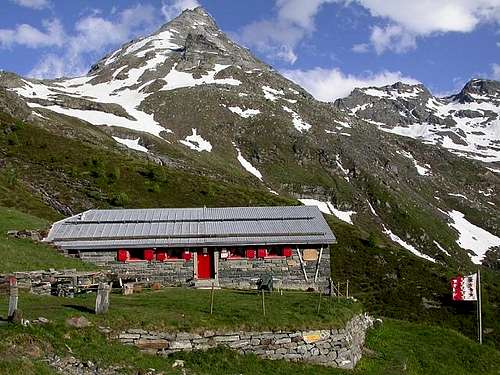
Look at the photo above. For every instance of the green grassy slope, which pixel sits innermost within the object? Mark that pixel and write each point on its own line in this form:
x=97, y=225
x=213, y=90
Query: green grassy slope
x=397, y=347
x=24, y=254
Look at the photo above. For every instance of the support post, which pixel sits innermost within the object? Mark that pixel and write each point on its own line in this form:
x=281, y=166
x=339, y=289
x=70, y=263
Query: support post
x=13, y=297
x=102, y=298
x=212, y=299
x=319, y=301
x=302, y=264
x=479, y=308
x=263, y=304
x=347, y=289
x=317, y=265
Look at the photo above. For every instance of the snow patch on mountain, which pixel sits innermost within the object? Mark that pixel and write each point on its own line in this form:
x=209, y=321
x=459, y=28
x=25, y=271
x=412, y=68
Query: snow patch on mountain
x=103, y=118
x=441, y=248
x=329, y=209
x=245, y=113
x=423, y=170
x=196, y=142
x=298, y=123
x=406, y=245
x=472, y=237
x=271, y=94
x=131, y=143
x=247, y=165
x=176, y=79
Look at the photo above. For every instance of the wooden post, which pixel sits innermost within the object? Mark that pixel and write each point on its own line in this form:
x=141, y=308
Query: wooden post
x=347, y=289
x=212, y=299
x=319, y=301
x=102, y=299
x=263, y=304
x=331, y=287
x=316, y=274
x=13, y=297
x=302, y=264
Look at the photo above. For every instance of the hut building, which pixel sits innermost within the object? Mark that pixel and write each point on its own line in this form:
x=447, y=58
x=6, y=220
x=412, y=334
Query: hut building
x=230, y=246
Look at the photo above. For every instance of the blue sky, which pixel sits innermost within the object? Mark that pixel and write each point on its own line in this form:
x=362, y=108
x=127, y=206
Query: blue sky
x=328, y=46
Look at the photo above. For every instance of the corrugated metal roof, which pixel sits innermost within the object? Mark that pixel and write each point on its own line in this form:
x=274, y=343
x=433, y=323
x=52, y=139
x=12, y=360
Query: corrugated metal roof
x=192, y=227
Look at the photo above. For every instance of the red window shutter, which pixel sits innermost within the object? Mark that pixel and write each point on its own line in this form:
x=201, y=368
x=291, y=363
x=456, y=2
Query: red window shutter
x=186, y=255
x=161, y=256
x=250, y=253
x=287, y=251
x=149, y=254
x=123, y=255
x=262, y=252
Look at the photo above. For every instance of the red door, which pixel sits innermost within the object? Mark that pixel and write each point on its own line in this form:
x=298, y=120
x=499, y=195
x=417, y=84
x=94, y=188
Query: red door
x=204, y=265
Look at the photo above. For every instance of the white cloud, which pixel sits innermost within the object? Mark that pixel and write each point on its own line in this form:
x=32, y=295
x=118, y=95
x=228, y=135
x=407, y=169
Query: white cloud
x=392, y=37
x=330, y=84
x=29, y=36
x=360, y=48
x=411, y=19
x=496, y=71
x=278, y=36
x=172, y=8
x=33, y=4
x=93, y=35
x=52, y=65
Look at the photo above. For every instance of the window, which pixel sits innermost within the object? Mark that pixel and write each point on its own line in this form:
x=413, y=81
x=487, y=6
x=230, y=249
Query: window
x=165, y=255
x=237, y=253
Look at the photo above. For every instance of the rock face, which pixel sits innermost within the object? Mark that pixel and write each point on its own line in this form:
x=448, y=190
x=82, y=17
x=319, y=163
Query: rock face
x=331, y=347
x=189, y=98
x=467, y=123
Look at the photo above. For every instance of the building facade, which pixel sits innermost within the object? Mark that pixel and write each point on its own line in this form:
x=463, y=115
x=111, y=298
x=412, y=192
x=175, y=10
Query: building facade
x=229, y=247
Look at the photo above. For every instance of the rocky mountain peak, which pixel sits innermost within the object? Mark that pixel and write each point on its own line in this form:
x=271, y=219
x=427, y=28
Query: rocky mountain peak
x=478, y=90
x=192, y=41
x=193, y=18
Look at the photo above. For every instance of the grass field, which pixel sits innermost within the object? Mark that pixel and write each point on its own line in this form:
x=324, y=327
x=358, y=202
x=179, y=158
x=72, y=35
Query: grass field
x=189, y=310
x=24, y=254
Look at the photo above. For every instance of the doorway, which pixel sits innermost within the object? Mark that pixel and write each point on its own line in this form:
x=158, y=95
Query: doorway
x=205, y=264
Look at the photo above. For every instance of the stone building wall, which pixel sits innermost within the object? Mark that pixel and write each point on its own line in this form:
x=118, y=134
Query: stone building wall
x=333, y=347
x=231, y=273
x=241, y=273
x=171, y=273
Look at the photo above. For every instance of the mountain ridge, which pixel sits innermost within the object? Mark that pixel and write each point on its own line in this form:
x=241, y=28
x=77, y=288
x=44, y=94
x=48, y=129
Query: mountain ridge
x=188, y=98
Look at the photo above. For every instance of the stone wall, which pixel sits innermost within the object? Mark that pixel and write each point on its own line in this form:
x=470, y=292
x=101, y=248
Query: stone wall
x=57, y=282
x=171, y=273
x=231, y=273
x=333, y=347
x=241, y=273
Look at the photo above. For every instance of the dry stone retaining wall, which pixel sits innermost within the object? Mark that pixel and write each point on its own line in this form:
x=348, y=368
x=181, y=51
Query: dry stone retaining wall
x=333, y=347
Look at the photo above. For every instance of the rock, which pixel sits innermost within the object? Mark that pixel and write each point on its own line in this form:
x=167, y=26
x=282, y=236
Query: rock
x=152, y=344
x=42, y=320
x=178, y=363
x=181, y=345
x=78, y=322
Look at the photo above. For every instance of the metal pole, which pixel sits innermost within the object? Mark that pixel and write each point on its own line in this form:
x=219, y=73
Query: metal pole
x=319, y=301
x=263, y=304
x=212, y=299
x=479, y=307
